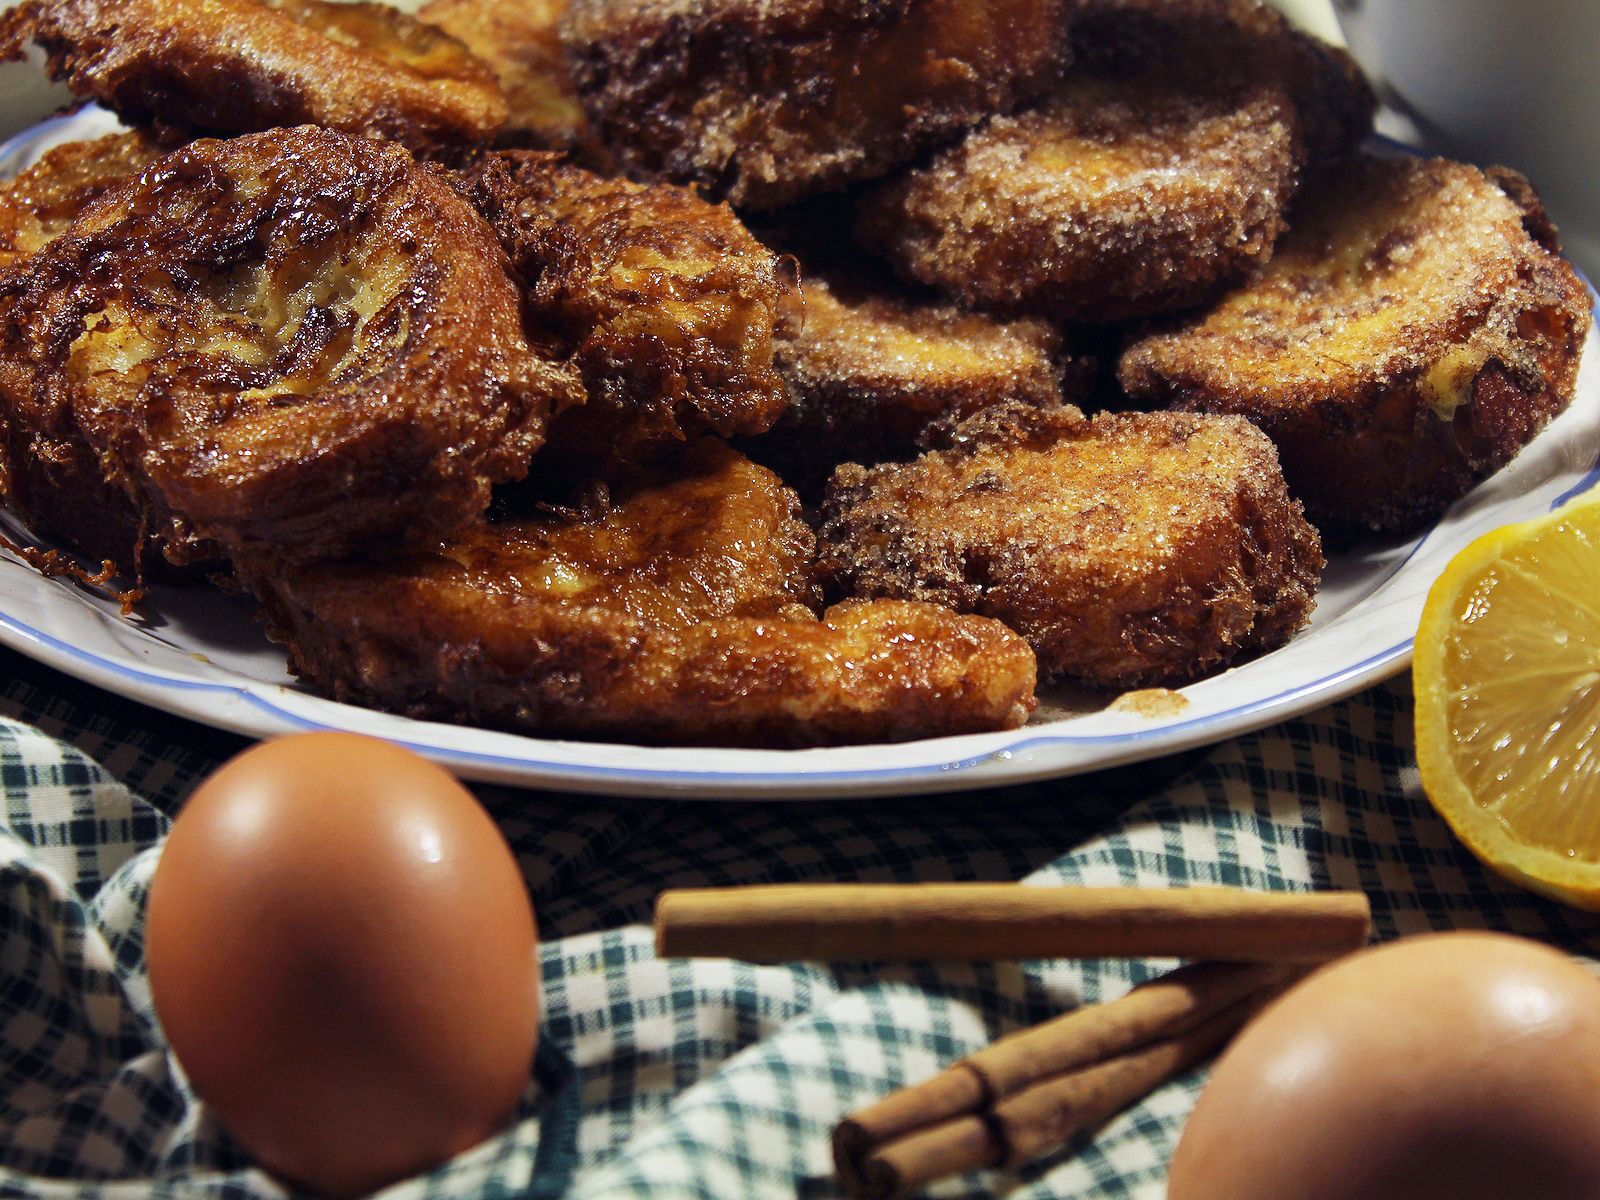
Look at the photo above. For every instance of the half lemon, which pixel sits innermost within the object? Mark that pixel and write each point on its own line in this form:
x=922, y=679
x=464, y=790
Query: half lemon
x=1507, y=676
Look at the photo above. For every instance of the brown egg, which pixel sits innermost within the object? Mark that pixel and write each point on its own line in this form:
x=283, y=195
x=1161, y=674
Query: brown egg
x=344, y=959
x=1460, y=1066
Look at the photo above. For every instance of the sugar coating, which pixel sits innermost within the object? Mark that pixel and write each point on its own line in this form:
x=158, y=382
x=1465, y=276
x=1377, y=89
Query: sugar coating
x=1120, y=197
x=1129, y=549
x=1409, y=336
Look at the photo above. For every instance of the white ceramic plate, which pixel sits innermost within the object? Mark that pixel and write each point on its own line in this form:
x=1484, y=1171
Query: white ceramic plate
x=197, y=653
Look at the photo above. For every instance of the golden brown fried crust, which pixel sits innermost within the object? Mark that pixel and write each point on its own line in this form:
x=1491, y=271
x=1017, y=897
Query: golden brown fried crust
x=521, y=41
x=666, y=304
x=1407, y=339
x=1243, y=41
x=868, y=372
x=1131, y=549
x=50, y=475
x=295, y=339
x=680, y=616
x=1120, y=197
x=231, y=66
x=769, y=101
x=37, y=206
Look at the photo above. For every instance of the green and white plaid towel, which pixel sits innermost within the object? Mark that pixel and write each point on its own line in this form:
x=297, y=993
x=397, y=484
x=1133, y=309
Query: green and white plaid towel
x=674, y=1078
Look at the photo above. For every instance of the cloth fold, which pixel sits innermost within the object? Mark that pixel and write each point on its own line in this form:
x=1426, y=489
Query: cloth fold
x=689, y=1078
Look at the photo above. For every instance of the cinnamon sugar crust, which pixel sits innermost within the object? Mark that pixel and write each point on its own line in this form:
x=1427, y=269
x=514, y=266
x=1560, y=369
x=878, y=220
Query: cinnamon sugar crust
x=1408, y=338
x=1244, y=41
x=768, y=101
x=870, y=370
x=1118, y=198
x=1130, y=550
x=236, y=66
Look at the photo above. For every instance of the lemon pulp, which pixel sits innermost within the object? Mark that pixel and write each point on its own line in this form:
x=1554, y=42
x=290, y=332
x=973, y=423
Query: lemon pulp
x=1507, y=673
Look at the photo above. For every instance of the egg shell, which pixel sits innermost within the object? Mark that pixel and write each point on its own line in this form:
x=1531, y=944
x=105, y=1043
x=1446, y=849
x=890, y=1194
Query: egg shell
x=344, y=960
x=1459, y=1066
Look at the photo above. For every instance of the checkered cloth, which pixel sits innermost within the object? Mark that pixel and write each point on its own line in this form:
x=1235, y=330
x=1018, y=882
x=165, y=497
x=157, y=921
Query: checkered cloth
x=676, y=1078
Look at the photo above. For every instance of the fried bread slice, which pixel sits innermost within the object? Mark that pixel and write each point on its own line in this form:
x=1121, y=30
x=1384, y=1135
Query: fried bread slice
x=769, y=101
x=236, y=66
x=1408, y=338
x=1130, y=549
x=678, y=614
x=869, y=371
x=1154, y=177
x=50, y=475
x=521, y=41
x=666, y=304
x=1121, y=196
x=1245, y=41
x=295, y=339
x=38, y=205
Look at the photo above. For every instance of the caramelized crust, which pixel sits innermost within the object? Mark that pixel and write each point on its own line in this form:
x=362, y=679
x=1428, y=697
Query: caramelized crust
x=1130, y=550
x=296, y=339
x=869, y=372
x=521, y=41
x=666, y=304
x=48, y=472
x=231, y=66
x=1239, y=41
x=1408, y=338
x=678, y=616
x=769, y=101
x=1120, y=197
x=37, y=206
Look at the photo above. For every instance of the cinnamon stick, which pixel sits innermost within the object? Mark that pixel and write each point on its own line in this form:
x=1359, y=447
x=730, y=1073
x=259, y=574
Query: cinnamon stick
x=1041, y=1117
x=1162, y=1008
x=967, y=1143
x=1050, y=1113
x=977, y=921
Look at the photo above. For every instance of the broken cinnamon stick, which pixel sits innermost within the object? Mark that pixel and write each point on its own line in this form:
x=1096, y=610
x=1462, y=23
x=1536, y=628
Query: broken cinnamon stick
x=1053, y=1112
x=1043, y=1116
x=978, y=921
x=1162, y=1008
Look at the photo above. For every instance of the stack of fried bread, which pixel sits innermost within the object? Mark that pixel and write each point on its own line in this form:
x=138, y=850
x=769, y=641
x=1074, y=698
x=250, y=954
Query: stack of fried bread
x=750, y=372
